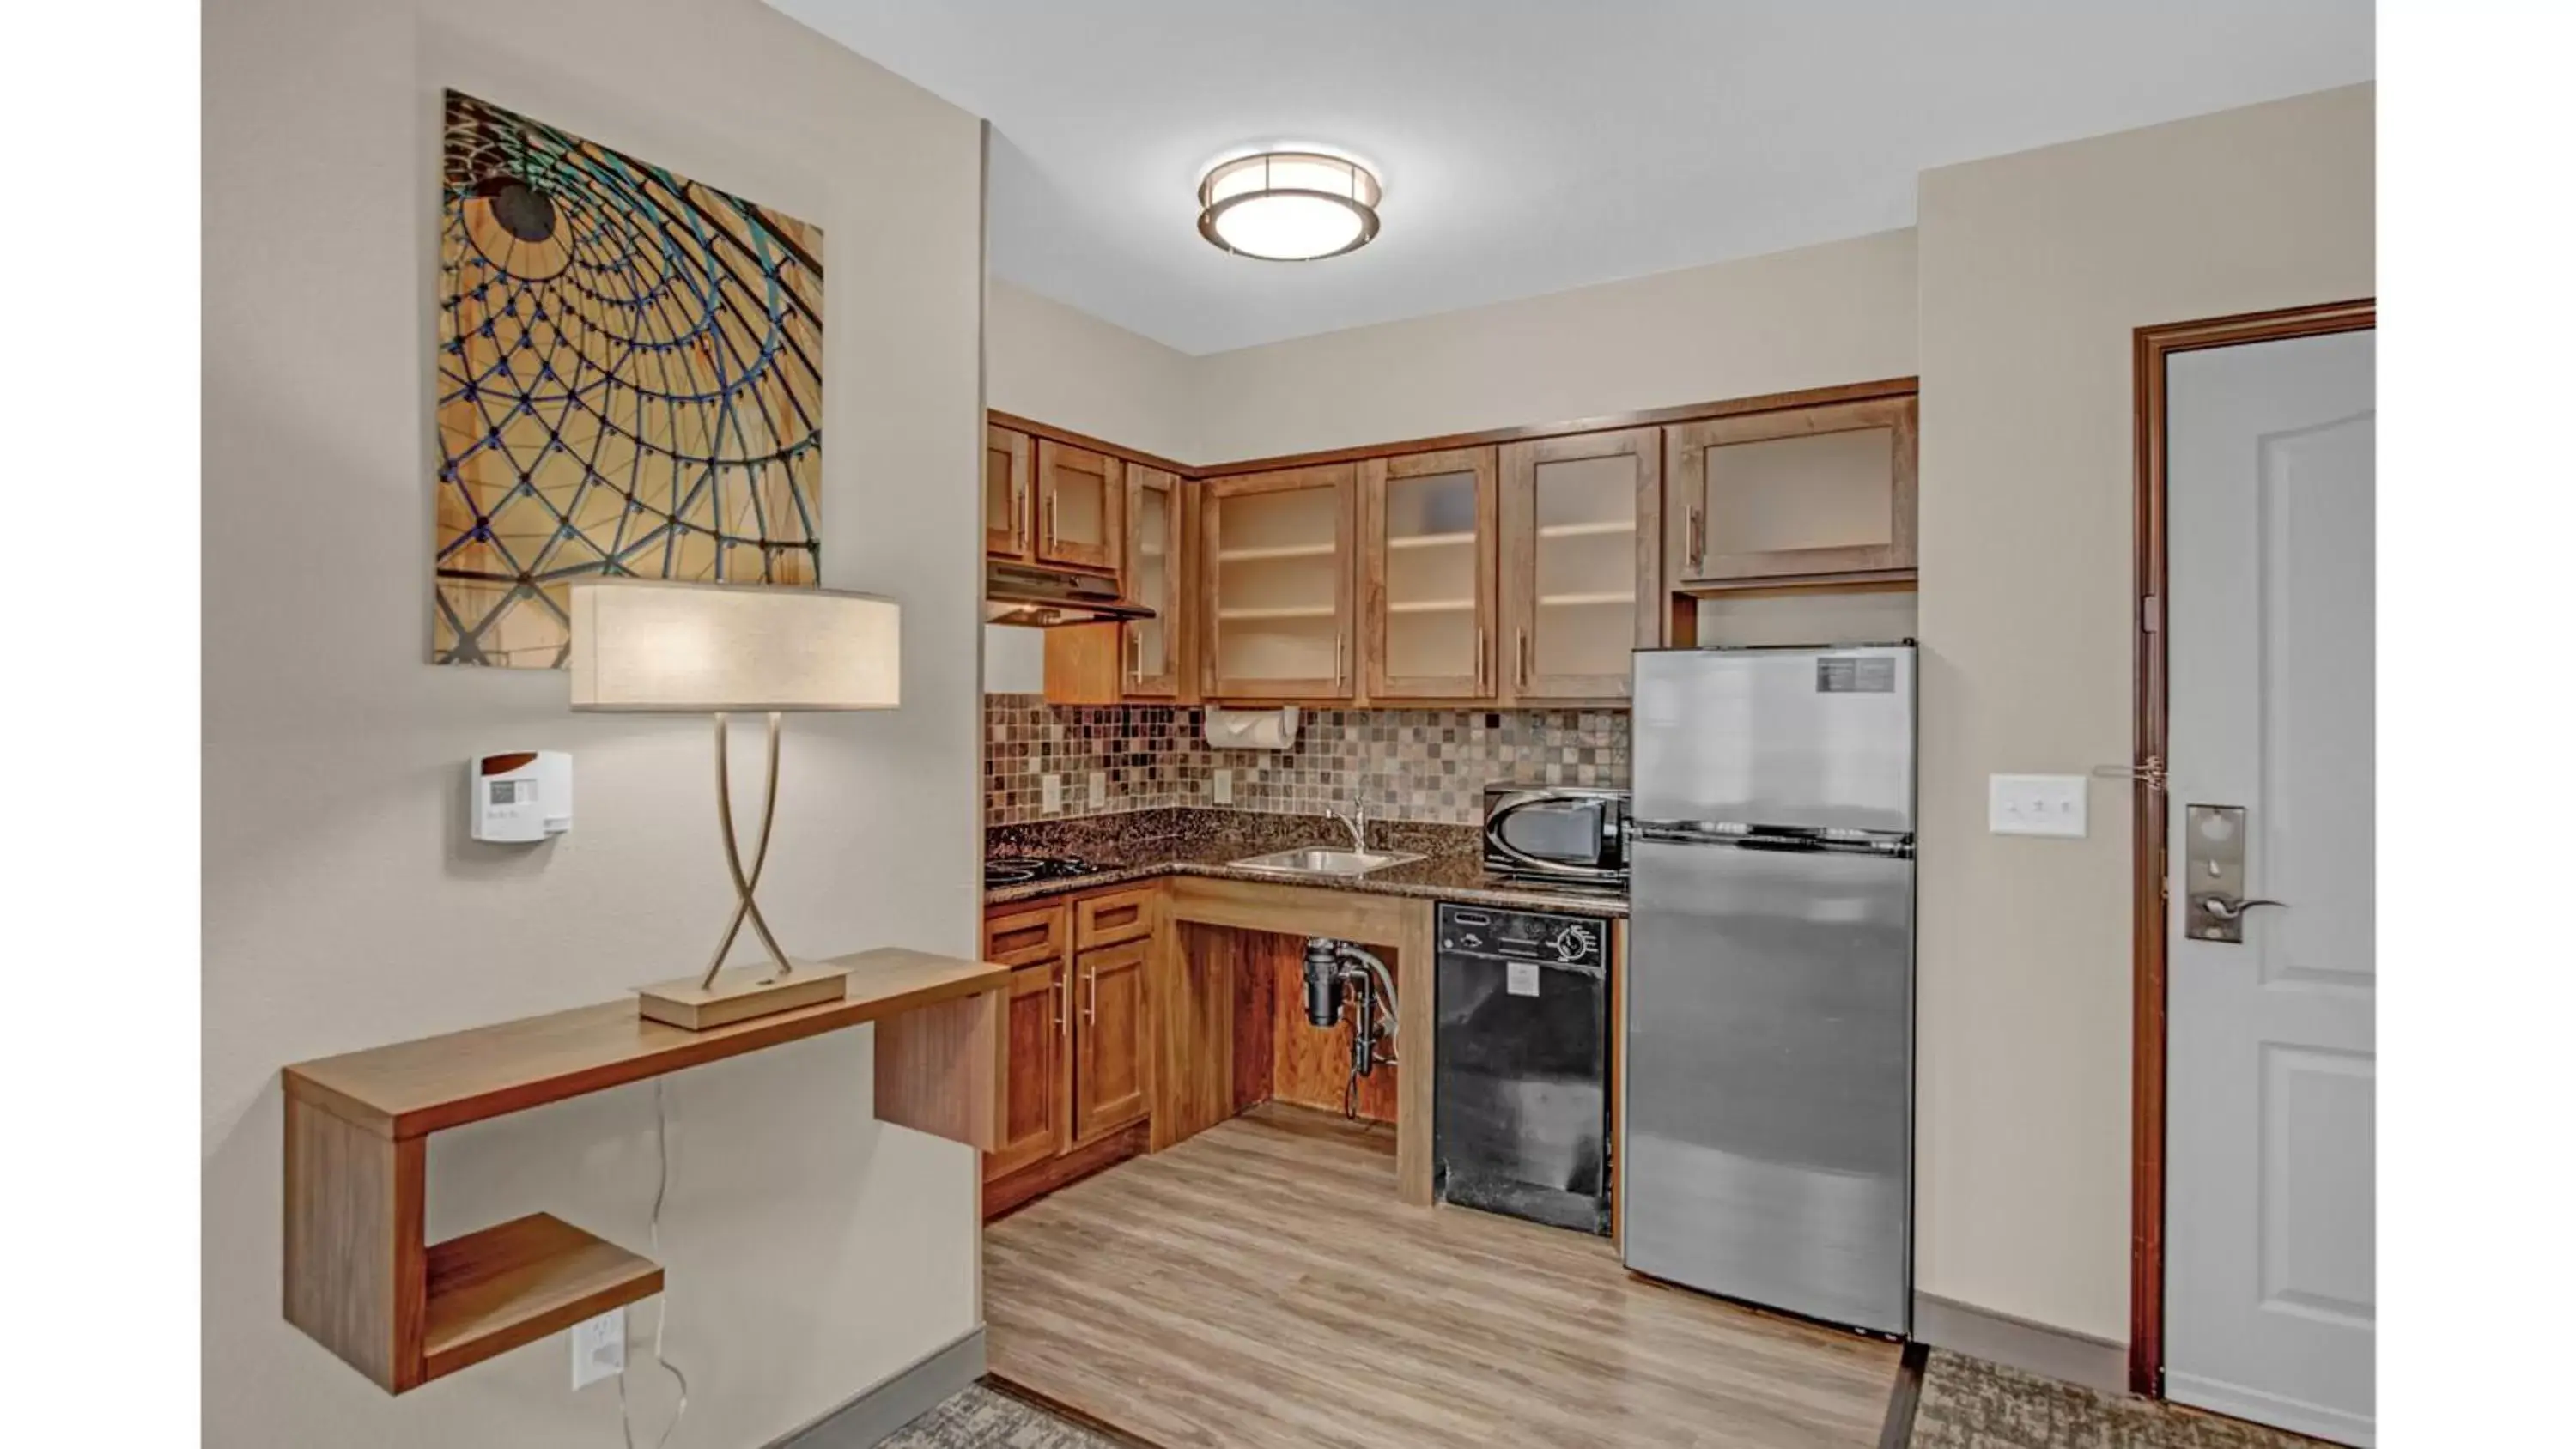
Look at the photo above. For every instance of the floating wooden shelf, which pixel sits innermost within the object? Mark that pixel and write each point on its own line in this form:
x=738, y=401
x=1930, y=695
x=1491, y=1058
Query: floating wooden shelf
x=361, y=1280
x=492, y=1291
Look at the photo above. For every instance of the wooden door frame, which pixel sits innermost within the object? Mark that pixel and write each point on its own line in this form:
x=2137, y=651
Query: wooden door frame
x=2153, y=346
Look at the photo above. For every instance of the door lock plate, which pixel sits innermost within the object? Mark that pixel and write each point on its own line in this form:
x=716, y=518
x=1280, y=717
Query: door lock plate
x=2213, y=868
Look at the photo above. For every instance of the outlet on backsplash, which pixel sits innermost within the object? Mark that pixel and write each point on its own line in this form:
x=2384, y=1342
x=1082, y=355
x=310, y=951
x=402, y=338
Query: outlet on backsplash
x=1412, y=764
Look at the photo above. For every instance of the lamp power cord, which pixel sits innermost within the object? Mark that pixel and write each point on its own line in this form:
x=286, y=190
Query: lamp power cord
x=662, y=1318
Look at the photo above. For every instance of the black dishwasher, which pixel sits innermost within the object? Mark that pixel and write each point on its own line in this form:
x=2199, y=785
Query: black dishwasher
x=1521, y=1118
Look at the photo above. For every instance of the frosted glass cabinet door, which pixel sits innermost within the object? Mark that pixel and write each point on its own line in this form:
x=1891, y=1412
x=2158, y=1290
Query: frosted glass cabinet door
x=1275, y=561
x=1007, y=461
x=1802, y=491
x=1150, y=665
x=1582, y=581
x=1427, y=525
x=1082, y=497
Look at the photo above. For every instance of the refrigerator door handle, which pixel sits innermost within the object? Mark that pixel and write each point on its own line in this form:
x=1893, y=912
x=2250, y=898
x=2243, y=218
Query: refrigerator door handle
x=1787, y=842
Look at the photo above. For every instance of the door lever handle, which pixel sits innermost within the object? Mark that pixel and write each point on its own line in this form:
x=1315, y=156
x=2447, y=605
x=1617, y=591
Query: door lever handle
x=2227, y=909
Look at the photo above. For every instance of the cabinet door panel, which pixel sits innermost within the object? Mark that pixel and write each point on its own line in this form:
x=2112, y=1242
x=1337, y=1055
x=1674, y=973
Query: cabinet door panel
x=1802, y=491
x=1035, y=1122
x=1112, y=1081
x=1082, y=500
x=1582, y=580
x=1149, y=663
x=1427, y=530
x=1007, y=464
x=1275, y=565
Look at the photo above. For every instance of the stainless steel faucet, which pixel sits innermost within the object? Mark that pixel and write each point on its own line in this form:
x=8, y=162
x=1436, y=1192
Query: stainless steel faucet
x=1357, y=823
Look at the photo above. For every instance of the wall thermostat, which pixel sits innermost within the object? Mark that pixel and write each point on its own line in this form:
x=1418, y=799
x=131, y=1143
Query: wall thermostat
x=519, y=795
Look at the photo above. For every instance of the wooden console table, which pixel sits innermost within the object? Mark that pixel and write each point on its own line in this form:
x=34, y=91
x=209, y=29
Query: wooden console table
x=360, y=1278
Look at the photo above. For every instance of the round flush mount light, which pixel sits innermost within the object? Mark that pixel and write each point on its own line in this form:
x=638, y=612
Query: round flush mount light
x=1289, y=206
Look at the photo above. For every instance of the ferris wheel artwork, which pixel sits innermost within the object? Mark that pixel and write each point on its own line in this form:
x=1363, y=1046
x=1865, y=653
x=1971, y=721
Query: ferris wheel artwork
x=629, y=383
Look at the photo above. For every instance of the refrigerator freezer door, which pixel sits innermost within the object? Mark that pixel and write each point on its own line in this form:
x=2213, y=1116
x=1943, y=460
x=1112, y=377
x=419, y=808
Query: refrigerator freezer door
x=1768, y=1069
x=1816, y=738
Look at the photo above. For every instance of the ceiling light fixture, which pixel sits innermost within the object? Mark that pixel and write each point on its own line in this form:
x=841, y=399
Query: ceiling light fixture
x=1289, y=206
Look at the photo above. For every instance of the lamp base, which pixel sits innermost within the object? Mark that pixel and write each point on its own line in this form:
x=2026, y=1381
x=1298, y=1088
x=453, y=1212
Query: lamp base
x=740, y=993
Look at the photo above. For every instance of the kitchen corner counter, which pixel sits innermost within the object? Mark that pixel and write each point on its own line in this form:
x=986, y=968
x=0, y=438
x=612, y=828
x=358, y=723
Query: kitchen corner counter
x=1148, y=844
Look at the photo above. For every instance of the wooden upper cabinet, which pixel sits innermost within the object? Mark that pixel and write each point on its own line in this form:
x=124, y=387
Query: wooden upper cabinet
x=1112, y=1078
x=1150, y=659
x=1008, y=459
x=1037, y=1069
x=1427, y=531
x=1791, y=495
x=1276, y=584
x=1081, y=500
x=1581, y=567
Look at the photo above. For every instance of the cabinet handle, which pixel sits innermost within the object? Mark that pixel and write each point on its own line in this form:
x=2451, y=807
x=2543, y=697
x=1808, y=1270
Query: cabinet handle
x=1698, y=541
x=1340, y=674
x=1482, y=659
x=1135, y=657
x=1522, y=676
x=1063, y=998
x=1091, y=985
x=1047, y=535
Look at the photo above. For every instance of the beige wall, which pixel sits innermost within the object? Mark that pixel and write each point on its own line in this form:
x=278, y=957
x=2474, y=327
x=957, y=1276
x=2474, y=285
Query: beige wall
x=1836, y=313
x=811, y=1252
x=2035, y=270
x=1047, y=361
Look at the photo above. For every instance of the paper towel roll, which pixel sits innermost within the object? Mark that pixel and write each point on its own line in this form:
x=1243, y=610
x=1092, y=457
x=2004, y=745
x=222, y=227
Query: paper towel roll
x=1252, y=729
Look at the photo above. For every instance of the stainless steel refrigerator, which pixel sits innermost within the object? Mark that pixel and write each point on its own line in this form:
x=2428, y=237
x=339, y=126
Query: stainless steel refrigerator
x=1769, y=1066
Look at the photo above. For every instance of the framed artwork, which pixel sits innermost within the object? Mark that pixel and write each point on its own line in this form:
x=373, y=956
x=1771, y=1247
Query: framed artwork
x=629, y=382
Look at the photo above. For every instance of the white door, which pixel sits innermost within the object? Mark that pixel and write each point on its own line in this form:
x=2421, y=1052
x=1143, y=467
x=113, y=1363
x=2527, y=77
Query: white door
x=2270, y=1297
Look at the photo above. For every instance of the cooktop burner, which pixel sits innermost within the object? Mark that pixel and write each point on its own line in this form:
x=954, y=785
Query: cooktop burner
x=1011, y=870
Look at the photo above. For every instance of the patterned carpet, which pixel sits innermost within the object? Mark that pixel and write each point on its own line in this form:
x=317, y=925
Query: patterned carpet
x=1966, y=1404
x=1971, y=1404
x=978, y=1418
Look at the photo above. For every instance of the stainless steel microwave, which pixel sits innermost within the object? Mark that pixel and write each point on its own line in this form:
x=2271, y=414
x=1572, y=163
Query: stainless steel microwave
x=1568, y=833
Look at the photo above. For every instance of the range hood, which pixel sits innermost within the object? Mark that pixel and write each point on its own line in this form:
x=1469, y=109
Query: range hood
x=1041, y=598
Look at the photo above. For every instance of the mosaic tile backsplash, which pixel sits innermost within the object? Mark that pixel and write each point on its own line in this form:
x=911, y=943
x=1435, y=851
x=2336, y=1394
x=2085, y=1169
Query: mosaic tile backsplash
x=1410, y=764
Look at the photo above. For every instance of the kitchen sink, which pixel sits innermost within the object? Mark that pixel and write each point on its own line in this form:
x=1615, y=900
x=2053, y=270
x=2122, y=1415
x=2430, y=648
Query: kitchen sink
x=1320, y=860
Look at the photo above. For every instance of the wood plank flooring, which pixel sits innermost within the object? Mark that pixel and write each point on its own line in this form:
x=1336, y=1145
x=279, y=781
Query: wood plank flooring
x=1259, y=1286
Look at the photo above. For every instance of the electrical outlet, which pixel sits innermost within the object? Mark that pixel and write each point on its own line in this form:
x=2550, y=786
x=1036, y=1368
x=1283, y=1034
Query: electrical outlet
x=1221, y=787
x=599, y=1348
x=1051, y=793
x=2035, y=805
x=1096, y=789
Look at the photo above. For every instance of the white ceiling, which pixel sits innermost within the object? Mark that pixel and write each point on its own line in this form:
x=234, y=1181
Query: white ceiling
x=1528, y=147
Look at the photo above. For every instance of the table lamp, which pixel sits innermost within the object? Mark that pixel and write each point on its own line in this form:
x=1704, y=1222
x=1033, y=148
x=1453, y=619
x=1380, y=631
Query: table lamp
x=647, y=646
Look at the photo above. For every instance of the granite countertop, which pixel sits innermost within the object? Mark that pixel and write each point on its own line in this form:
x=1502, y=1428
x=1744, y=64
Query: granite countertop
x=1145, y=844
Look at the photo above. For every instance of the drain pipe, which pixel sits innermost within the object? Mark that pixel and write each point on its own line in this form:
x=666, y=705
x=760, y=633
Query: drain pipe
x=1333, y=968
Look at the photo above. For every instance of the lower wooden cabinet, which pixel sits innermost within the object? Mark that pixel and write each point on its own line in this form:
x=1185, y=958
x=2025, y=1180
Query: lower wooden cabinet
x=1077, y=1075
x=1112, y=1078
x=1036, y=1071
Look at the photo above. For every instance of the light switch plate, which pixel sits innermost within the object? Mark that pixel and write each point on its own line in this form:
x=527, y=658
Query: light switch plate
x=1221, y=787
x=2036, y=805
x=599, y=1348
x=1096, y=789
x=1051, y=793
